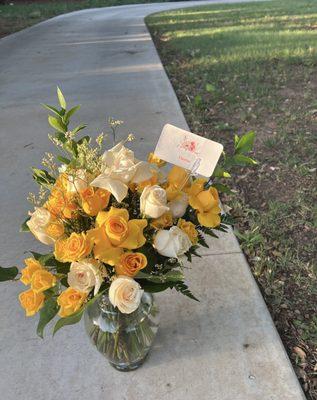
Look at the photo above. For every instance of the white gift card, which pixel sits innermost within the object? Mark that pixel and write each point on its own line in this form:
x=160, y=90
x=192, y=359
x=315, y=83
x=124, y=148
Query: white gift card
x=187, y=150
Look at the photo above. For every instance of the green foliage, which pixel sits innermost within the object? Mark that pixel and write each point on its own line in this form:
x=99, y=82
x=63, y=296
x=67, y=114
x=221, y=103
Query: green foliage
x=71, y=320
x=61, y=99
x=243, y=144
x=47, y=313
x=57, y=124
x=43, y=178
x=183, y=288
x=7, y=274
x=24, y=227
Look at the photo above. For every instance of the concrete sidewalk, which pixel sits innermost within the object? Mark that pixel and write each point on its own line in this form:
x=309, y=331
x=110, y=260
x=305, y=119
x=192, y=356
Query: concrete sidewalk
x=223, y=348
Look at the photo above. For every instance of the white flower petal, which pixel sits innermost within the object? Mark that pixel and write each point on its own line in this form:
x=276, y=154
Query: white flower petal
x=114, y=186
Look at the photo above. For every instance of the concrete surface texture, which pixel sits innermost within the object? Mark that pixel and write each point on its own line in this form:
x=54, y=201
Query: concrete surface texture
x=223, y=348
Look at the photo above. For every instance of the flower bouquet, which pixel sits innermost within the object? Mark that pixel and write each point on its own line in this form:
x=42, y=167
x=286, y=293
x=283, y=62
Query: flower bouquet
x=118, y=229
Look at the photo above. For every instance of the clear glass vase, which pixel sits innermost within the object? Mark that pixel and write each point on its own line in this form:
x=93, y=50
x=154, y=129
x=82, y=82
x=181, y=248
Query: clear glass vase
x=124, y=339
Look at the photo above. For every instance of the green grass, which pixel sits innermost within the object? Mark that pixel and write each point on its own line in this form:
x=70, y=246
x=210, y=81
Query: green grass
x=254, y=67
x=23, y=14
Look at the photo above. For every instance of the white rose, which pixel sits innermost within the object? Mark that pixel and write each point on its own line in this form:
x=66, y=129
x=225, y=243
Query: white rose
x=178, y=206
x=153, y=201
x=77, y=182
x=38, y=223
x=125, y=293
x=84, y=275
x=172, y=243
x=120, y=168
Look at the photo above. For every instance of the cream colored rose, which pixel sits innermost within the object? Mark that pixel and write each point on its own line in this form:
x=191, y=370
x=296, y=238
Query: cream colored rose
x=172, y=243
x=179, y=205
x=84, y=275
x=41, y=224
x=125, y=293
x=77, y=182
x=153, y=201
x=120, y=167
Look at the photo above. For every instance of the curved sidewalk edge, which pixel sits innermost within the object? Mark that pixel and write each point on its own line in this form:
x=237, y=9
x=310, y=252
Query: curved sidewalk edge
x=225, y=347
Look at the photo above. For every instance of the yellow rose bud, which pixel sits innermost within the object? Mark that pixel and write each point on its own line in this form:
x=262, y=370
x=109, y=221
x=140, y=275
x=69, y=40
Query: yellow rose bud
x=153, y=159
x=206, y=202
x=32, y=265
x=130, y=264
x=189, y=228
x=31, y=302
x=42, y=280
x=55, y=230
x=94, y=200
x=178, y=178
x=164, y=221
x=70, y=301
x=76, y=247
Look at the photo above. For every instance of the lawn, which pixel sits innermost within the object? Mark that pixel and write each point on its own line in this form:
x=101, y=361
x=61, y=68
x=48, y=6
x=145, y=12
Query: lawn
x=253, y=66
x=19, y=14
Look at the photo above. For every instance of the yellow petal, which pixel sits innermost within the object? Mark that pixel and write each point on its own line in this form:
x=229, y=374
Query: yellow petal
x=103, y=249
x=120, y=212
x=195, y=203
x=209, y=219
x=135, y=237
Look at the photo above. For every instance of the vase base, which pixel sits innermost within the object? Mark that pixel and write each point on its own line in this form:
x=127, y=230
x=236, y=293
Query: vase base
x=128, y=367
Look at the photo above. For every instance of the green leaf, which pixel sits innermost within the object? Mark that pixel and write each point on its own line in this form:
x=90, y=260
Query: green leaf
x=69, y=113
x=71, y=320
x=61, y=98
x=242, y=160
x=210, y=87
x=7, y=274
x=170, y=276
x=152, y=287
x=47, y=313
x=42, y=177
x=202, y=241
x=57, y=124
x=222, y=188
x=24, y=227
x=183, y=288
x=198, y=100
x=220, y=173
x=53, y=109
x=63, y=159
x=78, y=128
x=244, y=144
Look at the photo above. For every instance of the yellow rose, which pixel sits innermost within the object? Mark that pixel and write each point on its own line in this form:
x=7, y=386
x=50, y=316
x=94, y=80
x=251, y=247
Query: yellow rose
x=130, y=264
x=206, y=202
x=42, y=280
x=61, y=202
x=153, y=159
x=115, y=232
x=164, y=221
x=94, y=200
x=32, y=266
x=31, y=302
x=76, y=247
x=70, y=301
x=189, y=228
x=178, y=178
x=55, y=230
